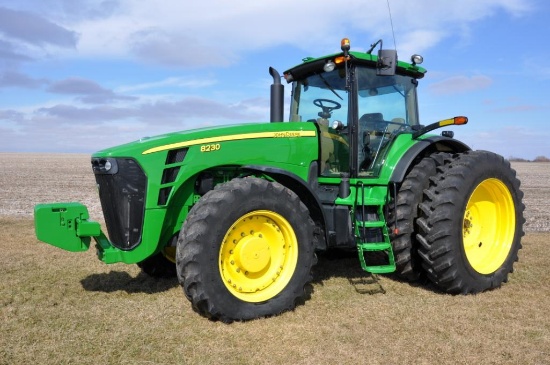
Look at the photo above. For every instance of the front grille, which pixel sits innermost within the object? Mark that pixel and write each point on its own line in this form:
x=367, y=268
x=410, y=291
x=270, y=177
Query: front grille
x=122, y=193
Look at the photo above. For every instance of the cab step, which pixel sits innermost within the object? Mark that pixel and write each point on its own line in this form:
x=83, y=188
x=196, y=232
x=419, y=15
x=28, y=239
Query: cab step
x=371, y=235
x=371, y=247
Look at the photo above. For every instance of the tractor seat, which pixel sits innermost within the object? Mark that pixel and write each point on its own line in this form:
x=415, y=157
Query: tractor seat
x=371, y=121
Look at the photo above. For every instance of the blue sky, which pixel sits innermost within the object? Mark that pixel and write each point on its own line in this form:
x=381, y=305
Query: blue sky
x=80, y=76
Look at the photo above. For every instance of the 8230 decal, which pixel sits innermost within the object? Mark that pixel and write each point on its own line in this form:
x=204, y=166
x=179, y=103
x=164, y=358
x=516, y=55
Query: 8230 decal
x=210, y=147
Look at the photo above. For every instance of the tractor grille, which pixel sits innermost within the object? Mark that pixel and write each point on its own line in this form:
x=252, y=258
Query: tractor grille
x=122, y=184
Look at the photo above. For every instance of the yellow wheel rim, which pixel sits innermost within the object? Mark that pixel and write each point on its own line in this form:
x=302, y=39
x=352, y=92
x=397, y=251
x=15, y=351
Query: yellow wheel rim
x=489, y=226
x=170, y=253
x=258, y=256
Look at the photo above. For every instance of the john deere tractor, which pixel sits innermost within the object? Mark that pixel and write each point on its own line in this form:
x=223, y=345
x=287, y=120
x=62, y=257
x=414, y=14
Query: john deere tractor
x=239, y=212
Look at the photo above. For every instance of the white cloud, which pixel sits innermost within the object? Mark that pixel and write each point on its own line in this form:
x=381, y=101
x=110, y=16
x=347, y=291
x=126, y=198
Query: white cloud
x=460, y=84
x=178, y=82
x=216, y=31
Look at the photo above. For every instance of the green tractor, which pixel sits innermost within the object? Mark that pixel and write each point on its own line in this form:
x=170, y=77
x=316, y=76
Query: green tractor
x=239, y=212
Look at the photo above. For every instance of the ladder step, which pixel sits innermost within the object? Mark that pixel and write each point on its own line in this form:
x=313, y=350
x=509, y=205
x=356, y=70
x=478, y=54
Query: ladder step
x=372, y=238
x=380, y=269
x=371, y=224
x=374, y=246
x=377, y=247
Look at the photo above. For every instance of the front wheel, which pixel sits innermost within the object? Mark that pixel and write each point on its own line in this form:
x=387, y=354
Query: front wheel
x=160, y=265
x=471, y=223
x=246, y=251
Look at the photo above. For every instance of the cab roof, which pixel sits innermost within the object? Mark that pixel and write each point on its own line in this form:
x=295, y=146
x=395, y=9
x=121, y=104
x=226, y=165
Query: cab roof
x=312, y=65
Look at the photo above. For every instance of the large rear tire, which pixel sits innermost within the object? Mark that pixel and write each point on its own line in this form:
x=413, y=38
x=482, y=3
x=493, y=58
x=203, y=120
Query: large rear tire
x=471, y=223
x=246, y=251
x=402, y=220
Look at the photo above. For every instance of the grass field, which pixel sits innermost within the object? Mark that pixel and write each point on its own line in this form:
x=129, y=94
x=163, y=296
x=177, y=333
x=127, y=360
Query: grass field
x=58, y=307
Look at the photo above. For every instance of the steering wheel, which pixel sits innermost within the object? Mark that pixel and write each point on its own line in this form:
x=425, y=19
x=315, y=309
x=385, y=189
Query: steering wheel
x=326, y=109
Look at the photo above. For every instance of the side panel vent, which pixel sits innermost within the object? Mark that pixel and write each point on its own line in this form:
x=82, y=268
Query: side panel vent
x=175, y=156
x=169, y=175
x=163, y=195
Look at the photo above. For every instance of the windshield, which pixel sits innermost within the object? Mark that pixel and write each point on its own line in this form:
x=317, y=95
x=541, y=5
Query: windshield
x=386, y=106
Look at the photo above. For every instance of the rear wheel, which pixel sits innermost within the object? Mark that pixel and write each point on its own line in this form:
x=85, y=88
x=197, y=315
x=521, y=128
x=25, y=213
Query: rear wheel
x=471, y=223
x=246, y=251
x=402, y=220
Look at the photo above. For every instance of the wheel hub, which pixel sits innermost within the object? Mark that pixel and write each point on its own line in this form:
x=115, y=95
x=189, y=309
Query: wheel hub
x=258, y=256
x=488, y=226
x=252, y=254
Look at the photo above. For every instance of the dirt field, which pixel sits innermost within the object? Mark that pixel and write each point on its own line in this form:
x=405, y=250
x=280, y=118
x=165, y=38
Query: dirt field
x=58, y=307
x=29, y=179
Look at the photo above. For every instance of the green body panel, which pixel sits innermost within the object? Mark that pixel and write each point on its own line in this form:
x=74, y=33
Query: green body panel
x=291, y=147
x=233, y=147
x=287, y=146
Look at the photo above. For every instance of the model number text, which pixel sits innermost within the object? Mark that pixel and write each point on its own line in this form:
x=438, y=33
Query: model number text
x=210, y=147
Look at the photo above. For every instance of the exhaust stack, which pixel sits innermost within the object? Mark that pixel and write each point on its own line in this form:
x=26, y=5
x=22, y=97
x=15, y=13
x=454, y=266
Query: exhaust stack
x=277, y=94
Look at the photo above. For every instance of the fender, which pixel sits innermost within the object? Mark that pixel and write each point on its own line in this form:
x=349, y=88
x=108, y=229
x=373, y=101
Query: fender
x=302, y=189
x=434, y=143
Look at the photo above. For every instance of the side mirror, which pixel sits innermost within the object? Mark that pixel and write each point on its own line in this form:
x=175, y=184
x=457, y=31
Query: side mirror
x=387, y=62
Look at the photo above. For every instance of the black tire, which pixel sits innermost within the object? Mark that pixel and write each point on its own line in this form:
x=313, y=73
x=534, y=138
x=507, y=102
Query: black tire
x=158, y=266
x=471, y=223
x=206, y=261
x=409, y=196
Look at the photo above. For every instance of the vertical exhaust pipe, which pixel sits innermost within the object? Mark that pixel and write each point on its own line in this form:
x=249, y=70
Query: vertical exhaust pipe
x=277, y=95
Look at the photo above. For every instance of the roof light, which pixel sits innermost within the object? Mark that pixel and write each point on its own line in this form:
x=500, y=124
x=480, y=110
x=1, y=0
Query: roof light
x=329, y=66
x=417, y=59
x=339, y=60
x=345, y=46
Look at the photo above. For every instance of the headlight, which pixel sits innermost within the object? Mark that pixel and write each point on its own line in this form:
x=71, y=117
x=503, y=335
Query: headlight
x=104, y=165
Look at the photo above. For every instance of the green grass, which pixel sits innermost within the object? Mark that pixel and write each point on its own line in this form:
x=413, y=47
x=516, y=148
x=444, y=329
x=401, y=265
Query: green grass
x=58, y=307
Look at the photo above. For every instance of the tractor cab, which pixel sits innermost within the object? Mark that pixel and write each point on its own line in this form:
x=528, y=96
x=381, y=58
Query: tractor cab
x=360, y=102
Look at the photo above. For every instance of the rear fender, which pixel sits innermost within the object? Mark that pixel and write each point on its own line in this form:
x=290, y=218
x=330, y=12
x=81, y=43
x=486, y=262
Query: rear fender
x=422, y=148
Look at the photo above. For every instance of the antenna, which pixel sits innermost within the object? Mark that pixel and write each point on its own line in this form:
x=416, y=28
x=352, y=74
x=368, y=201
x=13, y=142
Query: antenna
x=391, y=22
